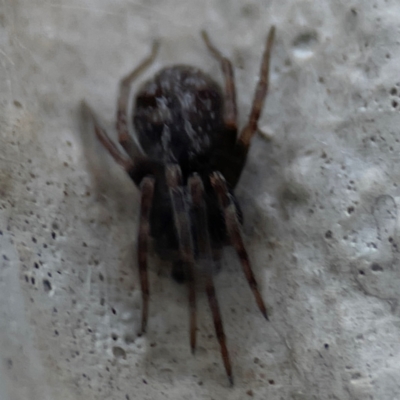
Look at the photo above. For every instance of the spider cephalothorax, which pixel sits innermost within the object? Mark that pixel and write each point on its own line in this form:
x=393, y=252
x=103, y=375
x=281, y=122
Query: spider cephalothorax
x=186, y=161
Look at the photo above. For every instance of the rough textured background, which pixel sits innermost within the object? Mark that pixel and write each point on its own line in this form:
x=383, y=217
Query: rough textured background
x=320, y=197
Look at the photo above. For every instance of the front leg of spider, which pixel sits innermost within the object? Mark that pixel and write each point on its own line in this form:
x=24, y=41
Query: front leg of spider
x=205, y=261
x=183, y=228
x=233, y=229
x=147, y=191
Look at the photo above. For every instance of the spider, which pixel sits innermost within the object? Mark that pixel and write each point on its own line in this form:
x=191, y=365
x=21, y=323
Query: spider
x=186, y=160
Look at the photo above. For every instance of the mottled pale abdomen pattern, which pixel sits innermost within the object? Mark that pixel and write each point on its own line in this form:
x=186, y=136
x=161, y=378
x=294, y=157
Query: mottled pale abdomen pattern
x=178, y=115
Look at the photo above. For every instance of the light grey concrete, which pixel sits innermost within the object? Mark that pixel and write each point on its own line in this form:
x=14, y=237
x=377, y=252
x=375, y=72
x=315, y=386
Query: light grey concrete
x=320, y=197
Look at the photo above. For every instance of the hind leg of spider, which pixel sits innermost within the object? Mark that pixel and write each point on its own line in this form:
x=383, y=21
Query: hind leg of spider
x=259, y=97
x=227, y=161
x=124, y=138
x=230, y=112
x=233, y=229
x=199, y=213
x=184, y=234
x=233, y=159
x=105, y=140
x=147, y=191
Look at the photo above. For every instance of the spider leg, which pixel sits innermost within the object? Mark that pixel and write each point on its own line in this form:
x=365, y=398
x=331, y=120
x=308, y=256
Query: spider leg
x=230, y=112
x=233, y=229
x=203, y=242
x=259, y=96
x=147, y=191
x=183, y=228
x=105, y=140
x=126, y=141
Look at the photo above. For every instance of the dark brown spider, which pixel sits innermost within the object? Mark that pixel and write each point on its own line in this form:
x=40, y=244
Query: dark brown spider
x=186, y=162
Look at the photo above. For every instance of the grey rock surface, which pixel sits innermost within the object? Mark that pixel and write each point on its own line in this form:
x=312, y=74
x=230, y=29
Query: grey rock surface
x=320, y=198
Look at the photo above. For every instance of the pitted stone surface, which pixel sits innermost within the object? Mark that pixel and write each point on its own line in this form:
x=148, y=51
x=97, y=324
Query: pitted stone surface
x=320, y=197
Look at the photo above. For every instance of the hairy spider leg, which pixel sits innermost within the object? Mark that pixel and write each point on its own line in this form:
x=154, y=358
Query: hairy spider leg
x=232, y=160
x=227, y=161
x=124, y=138
x=233, y=229
x=230, y=110
x=147, y=191
x=205, y=261
x=183, y=228
x=105, y=140
x=260, y=94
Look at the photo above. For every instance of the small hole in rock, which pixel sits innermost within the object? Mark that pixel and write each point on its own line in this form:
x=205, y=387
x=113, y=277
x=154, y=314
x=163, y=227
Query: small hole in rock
x=376, y=267
x=350, y=209
x=356, y=375
x=361, y=272
x=304, y=44
x=394, y=103
x=119, y=352
x=46, y=285
x=114, y=336
x=271, y=382
x=326, y=345
x=328, y=234
x=393, y=92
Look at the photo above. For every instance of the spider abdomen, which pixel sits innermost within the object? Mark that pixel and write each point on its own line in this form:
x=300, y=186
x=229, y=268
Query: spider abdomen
x=178, y=117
